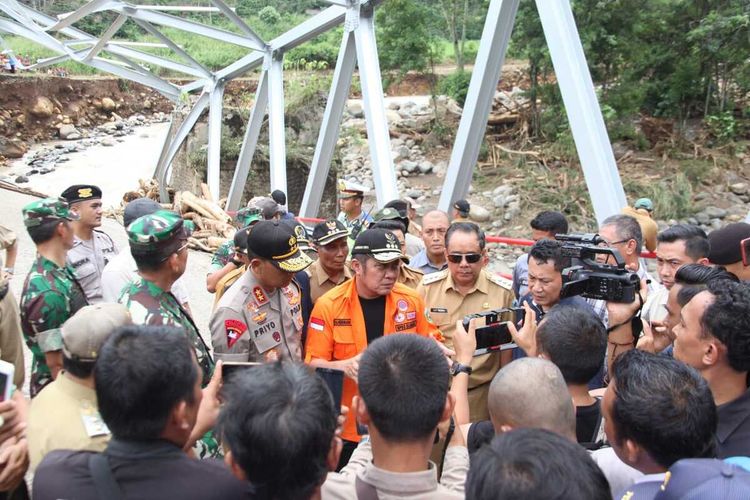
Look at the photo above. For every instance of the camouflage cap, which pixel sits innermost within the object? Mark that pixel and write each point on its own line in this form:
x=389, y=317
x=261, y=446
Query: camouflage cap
x=248, y=215
x=39, y=212
x=387, y=213
x=163, y=231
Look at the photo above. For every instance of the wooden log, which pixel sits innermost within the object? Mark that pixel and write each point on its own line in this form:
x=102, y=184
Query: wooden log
x=177, y=203
x=503, y=119
x=205, y=207
x=206, y=192
x=197, y=219
x=198, y=244
x=215, y=241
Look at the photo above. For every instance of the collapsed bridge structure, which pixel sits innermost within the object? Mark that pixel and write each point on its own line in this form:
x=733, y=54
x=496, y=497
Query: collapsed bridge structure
x=358, y=49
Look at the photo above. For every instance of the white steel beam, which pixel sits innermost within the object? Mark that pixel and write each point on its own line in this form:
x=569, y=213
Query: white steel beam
x=238, y=21
x=176, y=48
x=162, y=168
x=106, y=37
x=309, y=29
x=191, y=27
x=213, y=168
x=276, y=131
x=582, y=108
x=378, y=136
x=83, y=11
x=330, y=127
x=249, y=143
x=487, y=67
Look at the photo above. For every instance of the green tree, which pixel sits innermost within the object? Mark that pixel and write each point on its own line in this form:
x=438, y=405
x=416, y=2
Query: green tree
x=404, y=40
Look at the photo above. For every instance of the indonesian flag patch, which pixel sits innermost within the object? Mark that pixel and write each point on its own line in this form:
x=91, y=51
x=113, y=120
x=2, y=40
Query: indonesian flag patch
x=317, y=324
x=235, y=328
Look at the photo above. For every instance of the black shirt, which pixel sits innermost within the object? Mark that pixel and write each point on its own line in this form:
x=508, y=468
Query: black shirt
x=588, y=419
x=733, y=429
x=145, y=470
x=480, y=433
x=374, y=312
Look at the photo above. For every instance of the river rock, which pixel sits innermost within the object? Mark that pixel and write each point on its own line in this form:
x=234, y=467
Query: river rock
x=715, y=212
x=409, y=166
x=108, y=142
x=21, y=179
x=108, y=104
x=414, y=193
x=425, y=167
x=68, y=130
x=355, y=109
x=43, y=107
x=738, y=188
x=12, y=148
x=702, y=218
x=479, y=214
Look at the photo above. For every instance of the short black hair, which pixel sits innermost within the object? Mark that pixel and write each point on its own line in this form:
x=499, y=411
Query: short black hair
x=627, y=228
x=404, y=380
x=728, y=319
x=549, y=250
x=469, y=228
x=664, y=406
x=78, y=368
x=695, y=238
x=279, y=420
x=44, y=232
x=694, y=279
x=575, y=340
x=534, y=463
x=279, y=196
x=149, y=262
x=550, y=222
x=141, y=373
x=390, y=225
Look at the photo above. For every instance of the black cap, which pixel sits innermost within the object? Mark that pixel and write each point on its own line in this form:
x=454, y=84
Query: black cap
x=301, y=233
x=462, y=206
x=240, y=239
x=138, y=208
x=382, y=245
x=327, y=231
x=275, y=241
x=725, y=243
x=81, y=192
x=278, y=196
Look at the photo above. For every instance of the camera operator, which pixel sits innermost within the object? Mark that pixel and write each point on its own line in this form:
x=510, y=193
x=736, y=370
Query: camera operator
x=466, y=288
x=543, y=227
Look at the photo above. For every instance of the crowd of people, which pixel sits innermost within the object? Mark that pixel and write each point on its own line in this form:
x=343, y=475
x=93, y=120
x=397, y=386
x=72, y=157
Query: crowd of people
x=338, y=362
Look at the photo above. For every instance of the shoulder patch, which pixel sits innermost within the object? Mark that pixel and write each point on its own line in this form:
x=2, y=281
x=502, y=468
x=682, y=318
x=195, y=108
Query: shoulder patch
x=499, y=280
x=434, y=277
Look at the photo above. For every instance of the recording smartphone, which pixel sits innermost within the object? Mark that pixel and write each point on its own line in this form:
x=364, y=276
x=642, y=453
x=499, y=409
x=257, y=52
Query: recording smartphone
x=495, y=335
x=745, y=249
x=334, y=379
x=7, y=371
x=230, y=368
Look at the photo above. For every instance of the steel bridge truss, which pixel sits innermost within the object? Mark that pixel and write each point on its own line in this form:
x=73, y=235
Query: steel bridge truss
x=358, y=48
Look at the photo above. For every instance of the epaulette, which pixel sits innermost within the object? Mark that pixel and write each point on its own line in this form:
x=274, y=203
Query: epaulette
x=434, y=277
x=499, y=280
x=105, y=234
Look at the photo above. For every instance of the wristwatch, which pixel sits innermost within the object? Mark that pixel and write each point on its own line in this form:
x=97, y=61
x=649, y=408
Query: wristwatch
x=457, y=368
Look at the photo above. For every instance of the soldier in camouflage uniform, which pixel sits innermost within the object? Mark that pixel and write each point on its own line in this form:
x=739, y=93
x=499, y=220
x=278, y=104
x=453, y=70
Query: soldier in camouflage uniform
x=223, y=261
x=158, y=242
x=51, y=293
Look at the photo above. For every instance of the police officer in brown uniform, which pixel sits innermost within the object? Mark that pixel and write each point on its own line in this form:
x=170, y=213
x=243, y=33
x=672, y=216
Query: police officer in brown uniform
x=260, y=317
x=329, y=240
x=465, y=288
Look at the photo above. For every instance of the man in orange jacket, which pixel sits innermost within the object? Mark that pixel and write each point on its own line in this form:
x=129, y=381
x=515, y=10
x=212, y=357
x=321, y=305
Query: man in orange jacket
x=350, y=316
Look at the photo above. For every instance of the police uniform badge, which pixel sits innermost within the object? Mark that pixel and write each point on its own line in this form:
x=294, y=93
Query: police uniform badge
x=85, y=193
x=259, y=295
x=234, y=330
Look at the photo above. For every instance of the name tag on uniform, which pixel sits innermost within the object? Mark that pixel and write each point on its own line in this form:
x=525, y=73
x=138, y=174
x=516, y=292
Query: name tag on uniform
x=93, y=422
x=439, y=310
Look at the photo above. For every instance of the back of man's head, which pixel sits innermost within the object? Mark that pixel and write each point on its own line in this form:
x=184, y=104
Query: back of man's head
x=403, y=380
x=575, y=340
x=531, y=392
x=727, y=318
x=663, y=406
x=696, y=240
x=141, y=374
x=694, y=278
x=278, y=421
x=545, y=251
x=550, y=222
x=534, y=463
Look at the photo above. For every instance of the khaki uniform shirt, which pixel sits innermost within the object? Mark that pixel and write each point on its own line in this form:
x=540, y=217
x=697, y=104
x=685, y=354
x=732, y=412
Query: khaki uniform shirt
x=88, y=258
x=321, y=282
x=410, y=277
x=422, y=485
x=10, y=324
x=446, y=305
x=65, y=416
x=252, y=324
x=226, y=281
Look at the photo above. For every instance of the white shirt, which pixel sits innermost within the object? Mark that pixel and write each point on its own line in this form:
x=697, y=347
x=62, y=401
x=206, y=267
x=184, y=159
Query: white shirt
x=121, y=270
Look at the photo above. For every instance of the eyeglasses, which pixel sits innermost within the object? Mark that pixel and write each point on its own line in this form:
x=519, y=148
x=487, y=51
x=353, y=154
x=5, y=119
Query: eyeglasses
x=183, y=247
x=604, y=244
x=471, y=258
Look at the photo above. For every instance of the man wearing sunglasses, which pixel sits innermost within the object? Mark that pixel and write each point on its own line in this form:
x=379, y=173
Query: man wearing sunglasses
x=158, y=243
x=465, y=288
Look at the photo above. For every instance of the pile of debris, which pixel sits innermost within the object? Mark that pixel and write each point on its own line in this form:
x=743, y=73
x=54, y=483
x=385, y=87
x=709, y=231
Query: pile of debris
x=213, y=226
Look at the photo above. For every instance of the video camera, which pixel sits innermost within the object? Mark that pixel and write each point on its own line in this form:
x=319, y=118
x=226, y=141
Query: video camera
x=592, y=279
